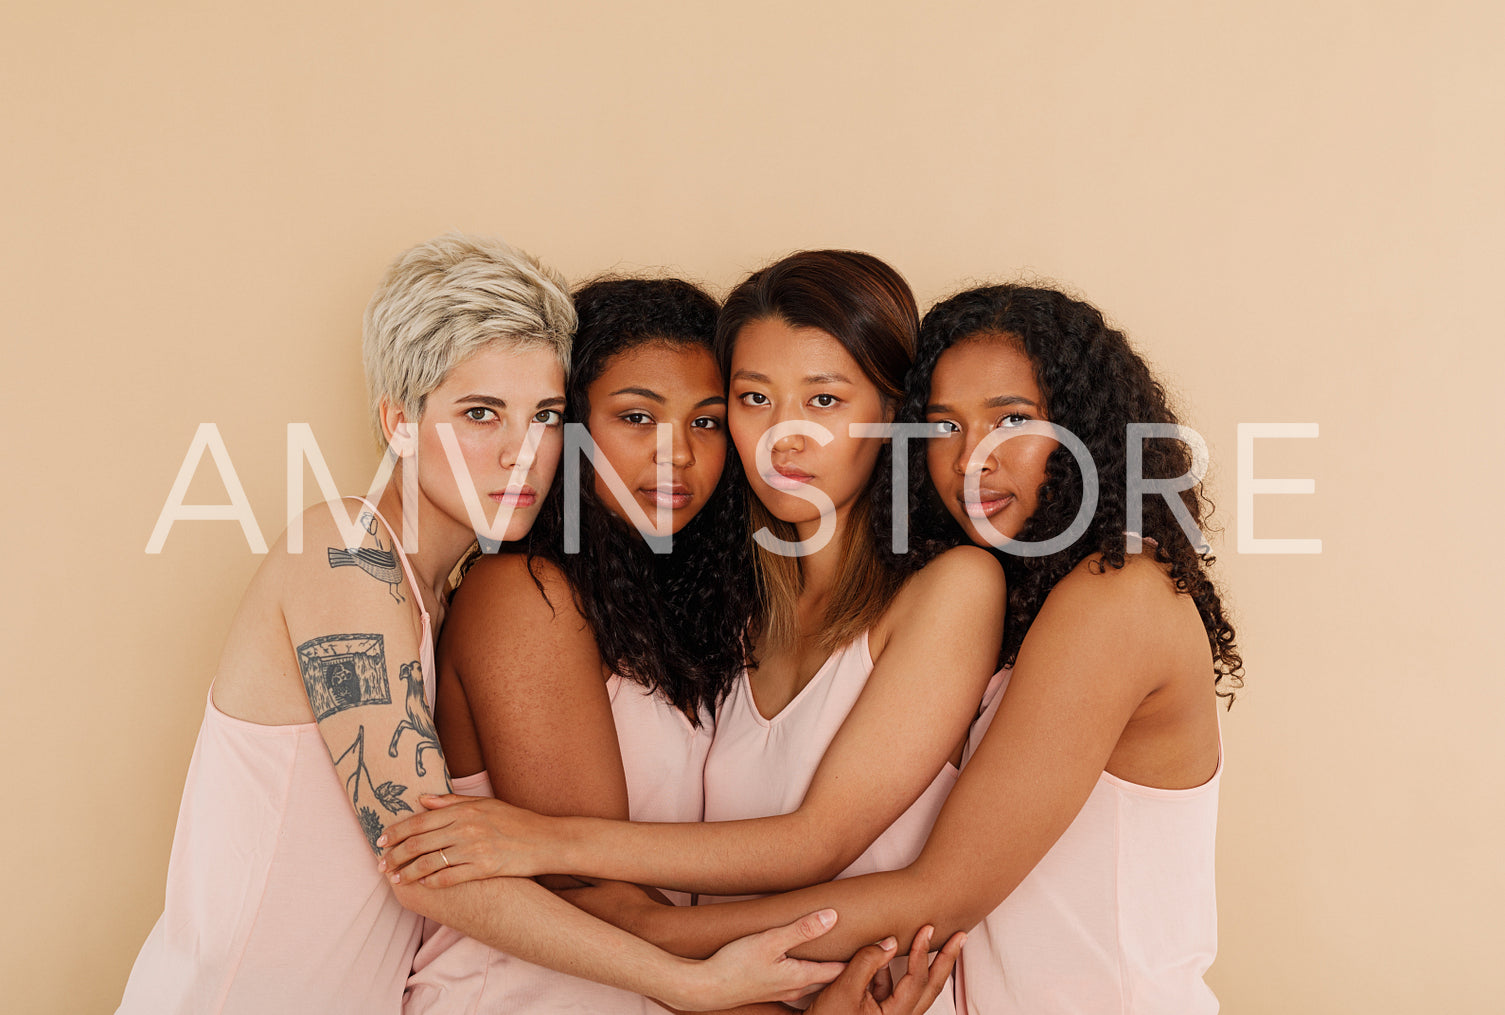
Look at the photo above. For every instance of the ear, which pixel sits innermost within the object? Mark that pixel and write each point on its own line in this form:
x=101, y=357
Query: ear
x=399, y=431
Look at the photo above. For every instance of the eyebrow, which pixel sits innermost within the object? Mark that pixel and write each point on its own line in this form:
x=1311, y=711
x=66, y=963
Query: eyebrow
x=750, y=375
x=492, y=402
x=996, y=402
x=641, y=393
x=713, y=400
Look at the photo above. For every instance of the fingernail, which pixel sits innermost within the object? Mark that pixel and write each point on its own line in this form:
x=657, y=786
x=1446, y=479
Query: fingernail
x=961, y=941
x=827, y=917
x=381, y=865
x=889, y=943
x=396, y=879
x=381, y=841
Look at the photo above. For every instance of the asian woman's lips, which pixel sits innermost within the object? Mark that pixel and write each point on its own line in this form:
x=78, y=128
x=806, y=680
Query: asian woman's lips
x=786, y=477
x=524, y=497
x=987, y=504
x=673, y=496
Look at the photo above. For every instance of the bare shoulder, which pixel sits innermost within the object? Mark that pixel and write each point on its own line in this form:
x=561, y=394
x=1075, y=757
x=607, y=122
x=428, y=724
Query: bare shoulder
x=507, y=599
x=529, y=587
x=353, y=560
x=961, y=567
x=960, y=592
x=1132, y=607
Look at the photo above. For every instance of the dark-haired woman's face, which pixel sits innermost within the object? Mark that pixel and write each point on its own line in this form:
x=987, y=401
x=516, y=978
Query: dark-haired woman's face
x=647, y=385
x=782, y=374
x=982, y=385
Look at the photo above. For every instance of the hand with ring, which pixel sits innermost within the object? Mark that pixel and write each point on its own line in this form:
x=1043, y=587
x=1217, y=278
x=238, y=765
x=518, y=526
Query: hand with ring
x=489, y=838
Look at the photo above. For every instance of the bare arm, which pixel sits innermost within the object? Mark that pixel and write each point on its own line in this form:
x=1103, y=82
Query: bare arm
x=356, y=637
x=912, y=714
x=1099, y=648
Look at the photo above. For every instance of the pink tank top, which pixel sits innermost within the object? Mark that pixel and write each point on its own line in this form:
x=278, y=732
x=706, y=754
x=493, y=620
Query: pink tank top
x=760, y=767
x=1119, y=916
x=274, y=903
x=664, y=758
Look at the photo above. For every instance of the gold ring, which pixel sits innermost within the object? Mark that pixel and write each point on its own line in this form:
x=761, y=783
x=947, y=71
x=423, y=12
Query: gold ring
x=444, y=858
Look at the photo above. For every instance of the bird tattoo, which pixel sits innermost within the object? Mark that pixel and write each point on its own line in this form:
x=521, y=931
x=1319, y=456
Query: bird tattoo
x=380, y=563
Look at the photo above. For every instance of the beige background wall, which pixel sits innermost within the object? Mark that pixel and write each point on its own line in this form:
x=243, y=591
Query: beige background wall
x=1294, y=208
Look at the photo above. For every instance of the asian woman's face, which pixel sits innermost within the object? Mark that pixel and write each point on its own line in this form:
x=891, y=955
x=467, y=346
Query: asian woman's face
x=981, y=386
x=782, y=374
x=646, y=386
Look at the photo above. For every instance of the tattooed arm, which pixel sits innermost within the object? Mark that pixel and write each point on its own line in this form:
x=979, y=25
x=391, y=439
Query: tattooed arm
x=357, y=633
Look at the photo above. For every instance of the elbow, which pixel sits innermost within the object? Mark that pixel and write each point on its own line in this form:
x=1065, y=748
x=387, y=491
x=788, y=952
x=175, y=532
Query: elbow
x=955, y=900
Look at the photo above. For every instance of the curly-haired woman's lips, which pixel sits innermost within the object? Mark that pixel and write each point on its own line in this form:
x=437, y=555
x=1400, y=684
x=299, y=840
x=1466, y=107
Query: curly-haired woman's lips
x=987, y=504
x=674, y=496
x=784, y=477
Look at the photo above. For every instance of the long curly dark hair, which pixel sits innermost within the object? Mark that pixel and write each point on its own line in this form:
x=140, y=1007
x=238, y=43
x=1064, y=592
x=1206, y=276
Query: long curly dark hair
x=1094, y=385
x=672, y=622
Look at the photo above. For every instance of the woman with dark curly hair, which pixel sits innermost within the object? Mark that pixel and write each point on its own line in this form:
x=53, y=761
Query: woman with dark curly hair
x=1078, y=840
x=580, y=676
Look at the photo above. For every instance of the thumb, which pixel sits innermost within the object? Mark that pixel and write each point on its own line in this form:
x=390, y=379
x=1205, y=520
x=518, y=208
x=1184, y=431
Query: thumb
x=867, y=962
x=806, y=928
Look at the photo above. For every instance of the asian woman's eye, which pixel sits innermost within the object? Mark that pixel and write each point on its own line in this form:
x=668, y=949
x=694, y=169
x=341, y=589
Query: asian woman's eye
x=706, y=423
x=753, y=398
x=549, y=417
x=480, y=414
x=825, y=401
x=636, y=418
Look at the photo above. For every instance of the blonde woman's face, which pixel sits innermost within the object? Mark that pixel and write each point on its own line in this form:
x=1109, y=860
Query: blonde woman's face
x=487, y=404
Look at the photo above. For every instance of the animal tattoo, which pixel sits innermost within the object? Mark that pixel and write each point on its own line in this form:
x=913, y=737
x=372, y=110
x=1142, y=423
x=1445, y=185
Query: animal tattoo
x=418, y=719
x=380, y=563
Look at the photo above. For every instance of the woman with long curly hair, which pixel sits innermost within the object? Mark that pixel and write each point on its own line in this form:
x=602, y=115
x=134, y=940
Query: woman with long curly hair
x=1077, y=845
x=835, y=751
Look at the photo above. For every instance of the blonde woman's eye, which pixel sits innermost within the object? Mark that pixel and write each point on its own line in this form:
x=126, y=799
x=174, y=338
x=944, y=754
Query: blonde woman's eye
x=480, y=413
x=549, y=417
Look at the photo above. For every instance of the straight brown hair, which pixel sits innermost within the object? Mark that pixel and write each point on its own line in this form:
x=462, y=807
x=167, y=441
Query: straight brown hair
x=868, y=307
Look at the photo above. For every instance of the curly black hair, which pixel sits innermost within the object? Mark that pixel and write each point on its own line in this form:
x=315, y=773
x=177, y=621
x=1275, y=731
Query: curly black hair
x=1094, y=385
x=672, y=622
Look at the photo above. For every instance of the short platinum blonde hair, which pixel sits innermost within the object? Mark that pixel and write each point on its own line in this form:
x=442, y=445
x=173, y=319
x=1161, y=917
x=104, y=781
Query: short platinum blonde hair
x=448, y=298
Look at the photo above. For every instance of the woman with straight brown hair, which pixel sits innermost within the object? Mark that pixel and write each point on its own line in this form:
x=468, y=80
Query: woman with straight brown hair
x=835, y=751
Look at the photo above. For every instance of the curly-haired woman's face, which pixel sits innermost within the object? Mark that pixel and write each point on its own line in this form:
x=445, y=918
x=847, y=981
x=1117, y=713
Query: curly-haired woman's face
x=985, y=385
x=648, y=385
x=780, y=375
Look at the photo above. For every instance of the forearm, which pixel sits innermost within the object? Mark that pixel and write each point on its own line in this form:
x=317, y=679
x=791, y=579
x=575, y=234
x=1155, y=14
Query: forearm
x=869, y=907
x=770, y=854
x=526, y=920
